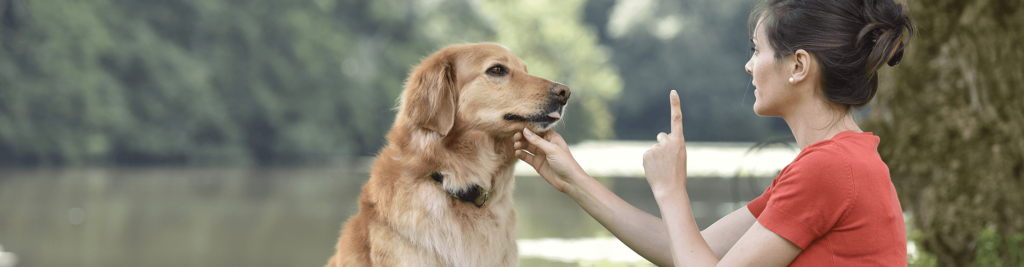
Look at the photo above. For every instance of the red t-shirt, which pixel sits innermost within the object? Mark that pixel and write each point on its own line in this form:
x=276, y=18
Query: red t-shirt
x=836, y=202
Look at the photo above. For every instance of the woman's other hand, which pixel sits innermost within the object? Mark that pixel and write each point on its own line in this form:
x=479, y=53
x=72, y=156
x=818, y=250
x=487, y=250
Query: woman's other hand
x=665, y=163
x=549, y=155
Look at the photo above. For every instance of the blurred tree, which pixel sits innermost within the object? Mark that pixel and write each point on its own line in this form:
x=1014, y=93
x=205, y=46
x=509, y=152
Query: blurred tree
x=554, y=42
x=951, y=118
x=237, y=82
x=698, y=48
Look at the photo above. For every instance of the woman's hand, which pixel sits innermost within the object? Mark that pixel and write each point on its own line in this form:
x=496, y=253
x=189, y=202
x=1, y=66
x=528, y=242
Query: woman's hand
x=665, y=163
x=549, y=155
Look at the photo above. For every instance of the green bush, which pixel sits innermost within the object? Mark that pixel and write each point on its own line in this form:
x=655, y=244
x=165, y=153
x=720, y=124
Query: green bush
x=992, y=251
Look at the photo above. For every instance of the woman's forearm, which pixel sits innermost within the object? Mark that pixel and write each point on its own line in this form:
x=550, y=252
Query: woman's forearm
x=688, y=245
x=641, y=231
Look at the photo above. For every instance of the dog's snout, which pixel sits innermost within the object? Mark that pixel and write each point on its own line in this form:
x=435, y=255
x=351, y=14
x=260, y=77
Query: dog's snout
x=561, y=92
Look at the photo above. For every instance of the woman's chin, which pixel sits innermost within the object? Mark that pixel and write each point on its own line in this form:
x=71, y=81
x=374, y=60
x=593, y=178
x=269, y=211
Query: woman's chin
x=758, y=113
x=761, y=110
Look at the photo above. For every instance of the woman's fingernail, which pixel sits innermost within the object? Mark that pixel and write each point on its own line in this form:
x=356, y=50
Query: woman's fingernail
x=527, y=132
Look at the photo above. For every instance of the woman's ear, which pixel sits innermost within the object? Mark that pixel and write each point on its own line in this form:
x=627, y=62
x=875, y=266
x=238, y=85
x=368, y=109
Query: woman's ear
x=803, y=66
x=429, y=99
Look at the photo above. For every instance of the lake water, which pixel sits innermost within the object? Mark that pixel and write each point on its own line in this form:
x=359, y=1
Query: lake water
x=279, y=216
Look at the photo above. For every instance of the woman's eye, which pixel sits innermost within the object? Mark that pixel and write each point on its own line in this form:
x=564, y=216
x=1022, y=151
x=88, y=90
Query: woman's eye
x=497, y=71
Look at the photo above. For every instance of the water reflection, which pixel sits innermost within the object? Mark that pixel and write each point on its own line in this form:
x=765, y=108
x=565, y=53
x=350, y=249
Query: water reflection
x=258, y=217
x=7, y=259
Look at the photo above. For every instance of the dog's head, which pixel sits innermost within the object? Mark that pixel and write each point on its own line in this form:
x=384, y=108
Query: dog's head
x=481, y=87
x=459, y=110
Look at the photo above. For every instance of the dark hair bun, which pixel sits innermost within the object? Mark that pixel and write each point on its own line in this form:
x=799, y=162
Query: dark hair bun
x=884, y=31
x=851, y=39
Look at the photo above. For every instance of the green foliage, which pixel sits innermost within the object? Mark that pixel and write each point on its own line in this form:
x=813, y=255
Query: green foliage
x=238, y=82
x=1015, y=250
x=951, y=120
x=551, y=38
x=989, y=245
x=918, y=258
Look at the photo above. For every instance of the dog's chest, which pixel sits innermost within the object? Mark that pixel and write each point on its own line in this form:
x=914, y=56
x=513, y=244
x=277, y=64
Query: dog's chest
x=478, y=239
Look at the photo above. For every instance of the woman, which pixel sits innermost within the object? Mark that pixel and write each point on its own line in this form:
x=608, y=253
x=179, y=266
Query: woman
x=834, y=205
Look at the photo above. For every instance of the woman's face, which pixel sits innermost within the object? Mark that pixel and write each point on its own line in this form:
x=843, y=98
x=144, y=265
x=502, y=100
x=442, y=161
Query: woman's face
x=771, y=85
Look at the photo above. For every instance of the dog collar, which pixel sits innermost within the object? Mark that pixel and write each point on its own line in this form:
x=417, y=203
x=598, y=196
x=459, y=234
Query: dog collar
x=471, y=194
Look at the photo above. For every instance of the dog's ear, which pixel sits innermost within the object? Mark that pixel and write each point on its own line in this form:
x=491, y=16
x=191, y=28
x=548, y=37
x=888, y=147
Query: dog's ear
x=429, y=99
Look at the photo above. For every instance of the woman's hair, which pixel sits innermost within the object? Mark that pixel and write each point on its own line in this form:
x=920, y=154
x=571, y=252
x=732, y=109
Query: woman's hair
x=851, y=39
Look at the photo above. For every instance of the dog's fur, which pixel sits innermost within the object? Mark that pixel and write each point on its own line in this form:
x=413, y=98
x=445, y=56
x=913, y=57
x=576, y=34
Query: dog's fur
x=455, y=123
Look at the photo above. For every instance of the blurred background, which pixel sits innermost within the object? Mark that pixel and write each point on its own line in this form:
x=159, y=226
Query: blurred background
x=239, y=133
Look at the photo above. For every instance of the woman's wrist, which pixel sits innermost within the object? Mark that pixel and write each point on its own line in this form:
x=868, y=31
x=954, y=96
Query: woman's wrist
x=665, y=190
x=591, y=195
x=574, y=187
x=676, y=197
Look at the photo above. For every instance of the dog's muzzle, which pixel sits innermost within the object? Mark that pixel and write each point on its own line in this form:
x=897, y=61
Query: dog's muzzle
x=558, y=96
x=473, y=194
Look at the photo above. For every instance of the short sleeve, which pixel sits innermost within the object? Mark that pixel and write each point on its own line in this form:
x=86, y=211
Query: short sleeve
x=757, y=205
x=809, y=199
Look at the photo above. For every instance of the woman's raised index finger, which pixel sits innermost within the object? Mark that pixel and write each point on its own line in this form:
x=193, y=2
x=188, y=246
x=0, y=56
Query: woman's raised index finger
x=677, y=113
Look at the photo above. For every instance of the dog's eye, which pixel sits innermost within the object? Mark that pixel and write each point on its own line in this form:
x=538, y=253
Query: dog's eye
x=498, y=70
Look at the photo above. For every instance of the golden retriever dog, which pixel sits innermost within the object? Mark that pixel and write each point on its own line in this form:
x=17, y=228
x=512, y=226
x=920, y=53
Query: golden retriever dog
x=440, y=191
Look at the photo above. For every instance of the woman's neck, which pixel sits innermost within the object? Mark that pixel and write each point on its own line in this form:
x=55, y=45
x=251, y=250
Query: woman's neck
x=819, y=121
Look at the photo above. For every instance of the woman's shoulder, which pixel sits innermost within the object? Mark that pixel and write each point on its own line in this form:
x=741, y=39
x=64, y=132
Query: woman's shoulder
x=837, y=165
x=825, y=154
x=846, y=147
x=825, y=165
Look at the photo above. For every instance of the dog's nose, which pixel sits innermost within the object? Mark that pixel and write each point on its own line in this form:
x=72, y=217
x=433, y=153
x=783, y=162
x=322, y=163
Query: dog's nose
x=562, y=92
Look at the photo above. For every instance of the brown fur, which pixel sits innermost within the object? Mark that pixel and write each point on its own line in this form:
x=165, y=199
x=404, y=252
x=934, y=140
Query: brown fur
x=451, y=120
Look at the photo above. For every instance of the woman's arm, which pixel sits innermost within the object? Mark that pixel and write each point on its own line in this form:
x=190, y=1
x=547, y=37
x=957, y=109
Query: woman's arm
x=639, y=230
x=665, y=168
x=761, y=247
x=648, y=235
x=644, y=233
x=758, y=246
x=723, y=234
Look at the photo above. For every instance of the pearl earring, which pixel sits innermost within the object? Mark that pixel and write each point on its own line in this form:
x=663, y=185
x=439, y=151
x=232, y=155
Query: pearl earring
x=790, y=79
